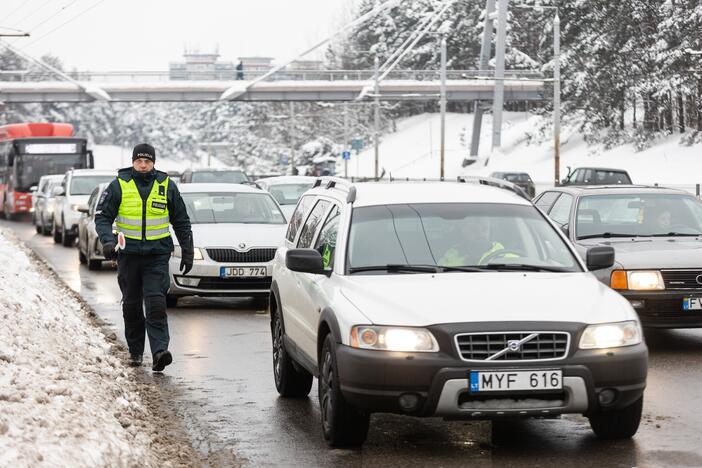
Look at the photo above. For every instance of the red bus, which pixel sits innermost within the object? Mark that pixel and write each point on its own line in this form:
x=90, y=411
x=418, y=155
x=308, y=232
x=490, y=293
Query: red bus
x=31, y=150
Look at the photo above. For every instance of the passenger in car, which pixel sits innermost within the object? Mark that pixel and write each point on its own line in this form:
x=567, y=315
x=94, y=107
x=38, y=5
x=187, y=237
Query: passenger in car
x=474, y=246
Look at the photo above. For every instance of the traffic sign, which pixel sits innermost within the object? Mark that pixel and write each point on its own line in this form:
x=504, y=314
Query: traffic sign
x=357, y=144
x=346, y=155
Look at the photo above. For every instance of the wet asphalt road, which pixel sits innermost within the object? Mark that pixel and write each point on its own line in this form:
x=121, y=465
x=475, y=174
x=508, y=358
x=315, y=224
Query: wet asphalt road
x=222, y=385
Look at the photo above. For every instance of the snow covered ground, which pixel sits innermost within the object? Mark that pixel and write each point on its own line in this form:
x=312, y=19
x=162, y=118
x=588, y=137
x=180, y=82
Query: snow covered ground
x=65, y=399
x=413, y=151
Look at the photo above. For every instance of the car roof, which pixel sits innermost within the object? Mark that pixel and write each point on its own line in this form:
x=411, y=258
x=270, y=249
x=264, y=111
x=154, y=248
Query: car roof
x=616, y=189
x=214, y=169
x=608, y=169
x=396, y=193
x=52, y=177
x=87, y=172
x=291, y=179
x=218, y=187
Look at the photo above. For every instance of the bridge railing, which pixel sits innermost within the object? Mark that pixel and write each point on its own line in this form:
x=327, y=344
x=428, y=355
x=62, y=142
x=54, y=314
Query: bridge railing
x=294, y=75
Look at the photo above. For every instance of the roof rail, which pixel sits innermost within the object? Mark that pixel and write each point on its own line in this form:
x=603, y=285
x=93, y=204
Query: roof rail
x=337, y=182
x=491, y=181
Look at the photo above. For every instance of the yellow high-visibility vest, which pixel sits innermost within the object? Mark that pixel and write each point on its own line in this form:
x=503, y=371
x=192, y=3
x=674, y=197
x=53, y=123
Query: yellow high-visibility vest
x=141, y=222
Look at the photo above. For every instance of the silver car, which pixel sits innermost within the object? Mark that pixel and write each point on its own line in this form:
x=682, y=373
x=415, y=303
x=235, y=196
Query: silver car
x=43, y=203
x=89, y=246
x=287, y=190
x=236, y=231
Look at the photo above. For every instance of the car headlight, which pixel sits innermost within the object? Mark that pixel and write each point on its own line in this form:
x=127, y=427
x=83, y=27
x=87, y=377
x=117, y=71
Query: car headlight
x=402, y=339
x=611, y=335
x=638, y=280
x=178, y=253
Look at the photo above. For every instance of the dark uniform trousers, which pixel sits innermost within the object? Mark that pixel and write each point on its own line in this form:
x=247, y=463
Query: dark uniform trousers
x=144, y=282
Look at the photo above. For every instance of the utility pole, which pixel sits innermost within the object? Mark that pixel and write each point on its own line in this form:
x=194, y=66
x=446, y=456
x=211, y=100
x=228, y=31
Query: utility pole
x=291, y=122
x=498, y=100
x=442, y=105
x=346, y=138
x=376, y=129
x=557, y=99
x=485, y=52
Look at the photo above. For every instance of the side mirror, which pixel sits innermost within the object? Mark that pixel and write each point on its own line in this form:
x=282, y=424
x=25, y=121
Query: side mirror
x=82, y=209
x=305, y=261
x=599, y=258
x=33, y=188
x=58, y=191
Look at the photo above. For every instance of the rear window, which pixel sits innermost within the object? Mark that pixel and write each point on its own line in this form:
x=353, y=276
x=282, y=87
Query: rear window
x=84, y=185
x=611, y=178
x=214, y=177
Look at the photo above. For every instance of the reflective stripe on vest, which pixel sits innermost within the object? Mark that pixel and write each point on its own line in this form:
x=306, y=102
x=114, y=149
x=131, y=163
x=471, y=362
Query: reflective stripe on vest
x=130, y=217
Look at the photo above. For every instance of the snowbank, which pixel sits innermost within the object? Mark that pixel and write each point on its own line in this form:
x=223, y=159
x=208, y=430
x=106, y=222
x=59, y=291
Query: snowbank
x=65, y=399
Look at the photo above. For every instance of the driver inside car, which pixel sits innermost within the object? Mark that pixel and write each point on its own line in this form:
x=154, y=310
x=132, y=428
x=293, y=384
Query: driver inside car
x=474, y=245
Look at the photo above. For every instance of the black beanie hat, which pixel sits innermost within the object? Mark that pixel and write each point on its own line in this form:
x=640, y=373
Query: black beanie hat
x=144, y=150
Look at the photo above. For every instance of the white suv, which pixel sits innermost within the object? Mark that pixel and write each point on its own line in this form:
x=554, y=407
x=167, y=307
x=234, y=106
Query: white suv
x=456, y=300
x=73, y=194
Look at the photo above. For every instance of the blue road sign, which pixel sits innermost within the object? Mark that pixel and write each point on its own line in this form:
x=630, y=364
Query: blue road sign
x=346, y=155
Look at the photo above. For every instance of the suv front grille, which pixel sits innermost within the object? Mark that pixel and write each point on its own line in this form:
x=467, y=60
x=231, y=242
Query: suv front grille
x=234, y=256
x=544, y=346
x=681, y=279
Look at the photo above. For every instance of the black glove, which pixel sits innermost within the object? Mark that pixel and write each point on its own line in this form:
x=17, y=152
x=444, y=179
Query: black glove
x=109, y=252
x=187, y=253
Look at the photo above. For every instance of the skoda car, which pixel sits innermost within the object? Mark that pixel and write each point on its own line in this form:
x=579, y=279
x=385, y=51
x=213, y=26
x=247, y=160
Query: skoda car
x=236, y=231
x=286, y=190
x=657, y=236
x=457, y=300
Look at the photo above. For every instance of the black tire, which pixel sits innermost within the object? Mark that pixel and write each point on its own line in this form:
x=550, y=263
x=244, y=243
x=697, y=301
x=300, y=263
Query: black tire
x=66, y=238
x=342, y=424
x=44, y=230
x=617, y=424
x=290, y=380
x=56, y=233
x=81, y=256
x=171, y=301
x=261, y=302
x=38, y=228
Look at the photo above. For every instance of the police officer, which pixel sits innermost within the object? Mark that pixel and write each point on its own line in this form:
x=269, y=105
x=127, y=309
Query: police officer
x=142, y=202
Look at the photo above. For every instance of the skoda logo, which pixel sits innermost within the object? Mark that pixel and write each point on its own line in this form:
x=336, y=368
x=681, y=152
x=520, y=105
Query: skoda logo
x=242, y=246
x=699, y=279
x=513, y=345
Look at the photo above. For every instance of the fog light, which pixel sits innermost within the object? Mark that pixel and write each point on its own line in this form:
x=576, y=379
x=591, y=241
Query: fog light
x=607, y=396
x=637, y=303
x=185, y=281
x=409, y=401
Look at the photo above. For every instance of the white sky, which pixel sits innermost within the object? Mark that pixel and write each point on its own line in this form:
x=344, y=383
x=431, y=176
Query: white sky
x=148, y=34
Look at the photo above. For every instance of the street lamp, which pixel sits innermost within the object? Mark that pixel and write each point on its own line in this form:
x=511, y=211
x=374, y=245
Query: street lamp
x=556, y=88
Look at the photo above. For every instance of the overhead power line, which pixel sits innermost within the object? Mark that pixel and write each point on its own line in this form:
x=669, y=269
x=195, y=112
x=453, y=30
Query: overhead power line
x=19, y=7
x=65, y=22
x=35, y=11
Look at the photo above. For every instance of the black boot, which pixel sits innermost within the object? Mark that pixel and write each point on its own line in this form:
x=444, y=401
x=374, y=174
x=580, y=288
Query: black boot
x=135, y=360
x=161, y=360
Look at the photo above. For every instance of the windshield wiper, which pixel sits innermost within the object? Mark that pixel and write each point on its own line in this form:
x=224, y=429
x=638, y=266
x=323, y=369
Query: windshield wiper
x=397, y=267
x=610, y=234
x=469, y=268
x=523, y=267
x=676, y=234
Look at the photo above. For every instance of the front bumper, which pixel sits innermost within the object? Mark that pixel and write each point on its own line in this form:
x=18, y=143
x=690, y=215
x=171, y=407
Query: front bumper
x=212, y=284
x=664, y=309
x=375, y=380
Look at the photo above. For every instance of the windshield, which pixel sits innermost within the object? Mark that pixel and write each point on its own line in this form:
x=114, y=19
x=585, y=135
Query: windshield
x=84, y=185
x=249, y=208
x=638, y=215
x=225, y=177
x=288, y=194
x=30, y=167
x=455, y=235
x=517, y=178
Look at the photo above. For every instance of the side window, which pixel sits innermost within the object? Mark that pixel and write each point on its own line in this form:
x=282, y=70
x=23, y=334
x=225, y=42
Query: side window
x=91, y=202
x=546, y=200
x=586, y=176
x=326, y=242
x=310, y=226
x=298, y=216
x=560, y=212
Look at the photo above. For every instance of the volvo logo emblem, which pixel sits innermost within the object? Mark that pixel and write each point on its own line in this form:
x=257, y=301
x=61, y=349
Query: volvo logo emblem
x=699, y=279
x=513, y=345
x=242, y=246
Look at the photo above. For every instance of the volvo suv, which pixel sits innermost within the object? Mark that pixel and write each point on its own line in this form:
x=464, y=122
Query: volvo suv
x=457, y=300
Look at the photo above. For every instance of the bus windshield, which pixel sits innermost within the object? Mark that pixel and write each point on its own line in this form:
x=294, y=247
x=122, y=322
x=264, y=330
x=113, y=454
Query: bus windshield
x=30, y=167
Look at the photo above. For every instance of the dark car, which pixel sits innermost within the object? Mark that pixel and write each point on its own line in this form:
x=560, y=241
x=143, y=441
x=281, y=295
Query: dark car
x=596, y=176
x=657, y=237
x=521, y=179
x=214, y=176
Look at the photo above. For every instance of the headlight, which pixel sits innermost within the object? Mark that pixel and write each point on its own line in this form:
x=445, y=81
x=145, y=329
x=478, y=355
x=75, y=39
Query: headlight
x=639, y=280
x=401, y=339
x=611, y=335
x=178, y=253
x=49, y=208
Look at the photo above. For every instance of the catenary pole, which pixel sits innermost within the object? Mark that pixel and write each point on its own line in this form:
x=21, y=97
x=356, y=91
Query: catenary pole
x=376, y=120
x=557, y=99
x=442, y=105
